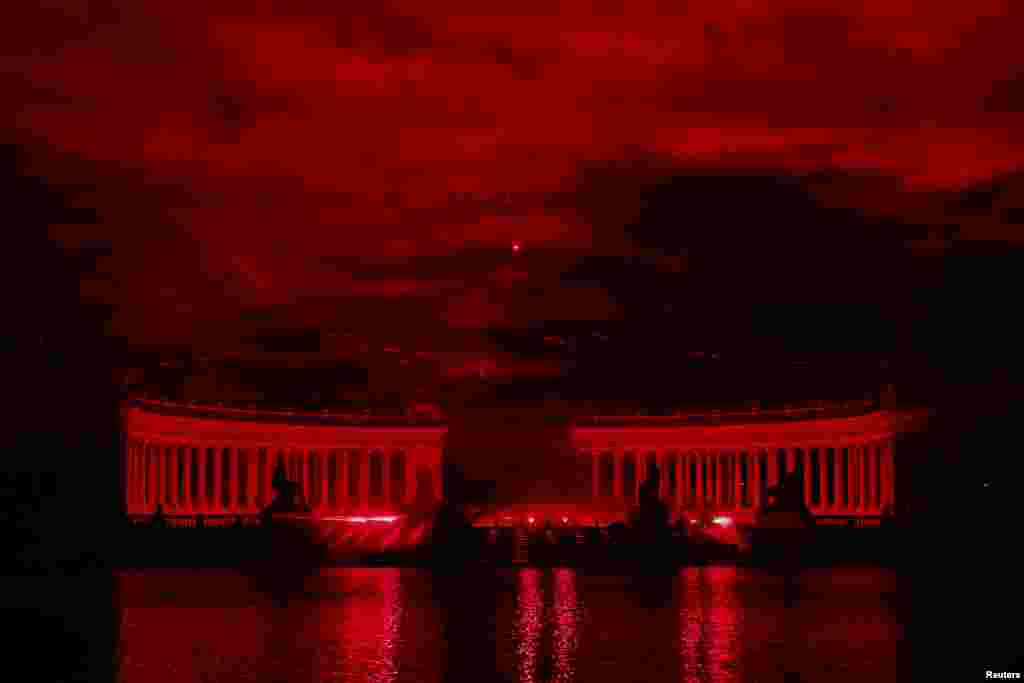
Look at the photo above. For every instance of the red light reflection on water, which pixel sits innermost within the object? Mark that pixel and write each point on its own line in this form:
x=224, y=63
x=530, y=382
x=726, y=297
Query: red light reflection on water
x=566, y=618
x=561, y=614
x=710, y=625
x=361, y=627
x=530, y=623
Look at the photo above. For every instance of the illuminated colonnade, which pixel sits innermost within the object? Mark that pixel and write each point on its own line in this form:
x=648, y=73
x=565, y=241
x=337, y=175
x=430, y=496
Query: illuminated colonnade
x=203, y=464
x=846, y=465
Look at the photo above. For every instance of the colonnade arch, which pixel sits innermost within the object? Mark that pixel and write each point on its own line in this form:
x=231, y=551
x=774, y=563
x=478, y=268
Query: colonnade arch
x=205, y=466
x=846, y=466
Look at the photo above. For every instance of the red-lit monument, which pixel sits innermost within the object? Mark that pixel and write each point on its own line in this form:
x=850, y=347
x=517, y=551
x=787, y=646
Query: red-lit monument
x=219, y=461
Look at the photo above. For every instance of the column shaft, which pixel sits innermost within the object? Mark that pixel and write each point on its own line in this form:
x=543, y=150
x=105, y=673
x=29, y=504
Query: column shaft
x=805, y=467
x=436, y=466
x=324, y=499
x=837, y=478
x=737, y=471
x=341, y=486
x=870, y=468
x=199, y=503
x=755, y=479
x=724, y=465
x=700, y=460
x=187, y=497
x=681, y=478
x=232, y=477
x=129, y=475
x=618, y=466
x=890, y=461
x=884, y=495
x=364, y=480
x=173, y=488
x=595, y=481
x=862, y=473
x=217, y=504
x=822, y=478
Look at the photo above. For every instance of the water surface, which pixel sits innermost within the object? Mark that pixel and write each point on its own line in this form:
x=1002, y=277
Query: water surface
x=701, y=624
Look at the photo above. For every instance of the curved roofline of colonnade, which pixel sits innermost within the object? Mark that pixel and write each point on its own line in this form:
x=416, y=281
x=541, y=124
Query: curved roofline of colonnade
x=324, y=418
x=789, y=428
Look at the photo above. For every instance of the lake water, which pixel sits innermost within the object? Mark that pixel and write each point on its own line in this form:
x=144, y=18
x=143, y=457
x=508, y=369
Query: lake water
x=701, y=624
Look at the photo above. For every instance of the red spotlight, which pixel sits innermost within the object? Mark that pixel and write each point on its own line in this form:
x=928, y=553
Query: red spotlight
x=516, y=246
x=531, y=519
x=565, y=520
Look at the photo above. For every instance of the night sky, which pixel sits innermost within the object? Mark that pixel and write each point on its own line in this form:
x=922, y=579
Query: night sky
x=247, y=169
x=588, y=198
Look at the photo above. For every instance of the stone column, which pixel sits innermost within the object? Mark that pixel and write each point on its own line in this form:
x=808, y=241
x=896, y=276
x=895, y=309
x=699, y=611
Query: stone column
x=232, y=478
x=834, y=505
x=187, y=493
x=851, y=463
x=133, y=476
x=217, y=504
x=724, y=460
x=699, y=461
x=324, y=502
x=163, y=459
x=199, y=503
x=146, y=485
x=772, y=465
x=868, y=486
x=129, y=474
x=884, y=495
x=268, y=475
x=854, y=483
x=179, y=478
x=855, y=452
x=890, y=462
x=711, y=481
x=147, y=454
x=618, y=468
x=153, y=480
x=436, y=467
x=680, y=478
x=679, y=458
x=737, y=472
x=711, y=485
x=364, y=479
x=790, y=460
x=659, y=461
x=595, y=481
x=170, y=477
x=822, y=478
x=755, y=478
x=869, y=471
x=805, y=463
x=161, y=476
x=341, y=485
x=861, y=457
x=161, y=456
x=638, y=467
x=252, y=480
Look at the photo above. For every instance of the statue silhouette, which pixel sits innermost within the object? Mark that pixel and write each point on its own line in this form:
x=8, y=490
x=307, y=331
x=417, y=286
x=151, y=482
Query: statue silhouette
x=286, y=495
x=159, y=519
x=651, y=524
x=788, y=497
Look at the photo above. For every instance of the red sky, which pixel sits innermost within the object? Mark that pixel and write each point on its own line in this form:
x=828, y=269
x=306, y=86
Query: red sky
x=284, y=160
